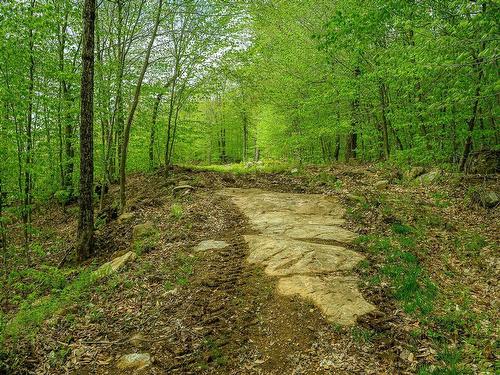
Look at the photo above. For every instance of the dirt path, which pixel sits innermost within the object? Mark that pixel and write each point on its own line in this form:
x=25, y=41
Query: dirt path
x=266, y=300
x=271, y=300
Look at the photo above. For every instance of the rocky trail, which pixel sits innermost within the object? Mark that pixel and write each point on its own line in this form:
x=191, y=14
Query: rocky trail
x=287, y=224
x=272, y=279
x=262, y=275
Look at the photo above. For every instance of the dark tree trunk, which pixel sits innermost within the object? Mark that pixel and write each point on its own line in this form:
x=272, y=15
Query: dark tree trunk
x=85, y=244
x=152, y=135
x=385, y=125
x=336, y=153
x=475, y=106
x=28, y=178
x=352, y=137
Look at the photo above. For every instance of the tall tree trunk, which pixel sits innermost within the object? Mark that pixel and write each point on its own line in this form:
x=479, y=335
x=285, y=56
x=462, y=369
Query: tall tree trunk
x=172, y=143
x=68, y=164
x=170, y=117
x=28, y=178
x=118, y=115
x=475, y=107
x=69, y=147
x=222, y=146
x=384, y=125
x=135, y=102
x=60, y=108
x=245, y=136
x=336, y=153
x=85, y=246
x=352, y=137
x=152, y=134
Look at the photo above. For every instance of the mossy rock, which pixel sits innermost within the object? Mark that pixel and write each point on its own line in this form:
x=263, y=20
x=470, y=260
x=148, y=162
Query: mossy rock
x=125, y=217
x=413, y=173
x=430, y=178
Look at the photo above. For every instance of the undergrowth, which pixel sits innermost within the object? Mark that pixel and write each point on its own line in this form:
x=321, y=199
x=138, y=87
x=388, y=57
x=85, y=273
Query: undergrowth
x=403, y=254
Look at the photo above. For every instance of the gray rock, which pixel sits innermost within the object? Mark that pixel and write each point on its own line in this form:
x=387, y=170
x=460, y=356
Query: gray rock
x=381, y=185
x=185, y=188
x=115, y=265
x=210, y=245
x=486, y=198
x=134, y=361
x=429, y=178
x=304, y=268
x=414, y=173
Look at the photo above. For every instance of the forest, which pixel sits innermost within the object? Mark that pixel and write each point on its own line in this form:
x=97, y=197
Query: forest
x=134, y=132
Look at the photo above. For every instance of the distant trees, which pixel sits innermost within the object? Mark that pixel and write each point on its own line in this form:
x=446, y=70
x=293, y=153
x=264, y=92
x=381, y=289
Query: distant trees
x=411, y=81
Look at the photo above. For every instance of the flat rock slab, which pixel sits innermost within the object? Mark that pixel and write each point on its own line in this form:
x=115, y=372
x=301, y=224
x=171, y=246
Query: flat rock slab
x=283, y=257
x=115, y=265
x=288, y=224
x=210, y=245
x=134, y=362
x=337, y=297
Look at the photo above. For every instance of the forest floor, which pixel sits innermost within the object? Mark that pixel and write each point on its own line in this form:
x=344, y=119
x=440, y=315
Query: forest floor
x=431, y=268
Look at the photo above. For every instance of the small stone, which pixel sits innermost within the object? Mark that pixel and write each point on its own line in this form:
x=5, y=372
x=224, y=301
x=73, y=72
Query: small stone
x=184, y=188
x=429, y=178
x=414, y=173
x=327, y=364
x=142, y=231
x=134, y=361
x=381, y=185
x=407, y=355
x=210, y=245
x=294, y=171
x=125, y=217
x=115, y=265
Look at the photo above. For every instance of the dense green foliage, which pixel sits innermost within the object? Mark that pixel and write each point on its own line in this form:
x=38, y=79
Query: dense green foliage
x=302, y=81
x=324, y=80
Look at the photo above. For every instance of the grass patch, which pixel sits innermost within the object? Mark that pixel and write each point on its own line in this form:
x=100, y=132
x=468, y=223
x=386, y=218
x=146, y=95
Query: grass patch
x=144, y=238
x=245, y=168
x=176, y=211
x=410, y=283
x=179, y=271
x=362, y=335
x=213, y=353
x=32, y=314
